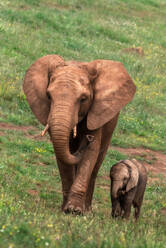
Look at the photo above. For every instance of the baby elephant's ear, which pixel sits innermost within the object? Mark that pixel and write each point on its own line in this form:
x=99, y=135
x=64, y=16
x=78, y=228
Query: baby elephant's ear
x=133, y=180
x=113, y=88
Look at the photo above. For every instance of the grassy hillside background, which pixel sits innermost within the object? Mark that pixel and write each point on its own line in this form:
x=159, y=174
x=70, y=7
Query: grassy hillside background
x=130, y=31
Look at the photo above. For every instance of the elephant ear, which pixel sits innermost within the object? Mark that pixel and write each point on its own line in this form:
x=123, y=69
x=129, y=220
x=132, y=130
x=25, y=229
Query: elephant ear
x=36, y=82
x=134, y=175
x=113, y=89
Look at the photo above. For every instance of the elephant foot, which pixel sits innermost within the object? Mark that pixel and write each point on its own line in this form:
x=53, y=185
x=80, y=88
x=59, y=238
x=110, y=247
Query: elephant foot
x=70, y=208
x=74, y=205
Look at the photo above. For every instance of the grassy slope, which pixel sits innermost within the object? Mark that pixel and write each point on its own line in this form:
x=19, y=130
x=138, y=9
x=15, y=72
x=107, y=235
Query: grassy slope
x=30, y=185
x=89, y=30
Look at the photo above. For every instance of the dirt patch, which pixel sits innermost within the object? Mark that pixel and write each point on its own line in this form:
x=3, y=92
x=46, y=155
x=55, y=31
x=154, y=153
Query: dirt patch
x=134, y=50
x=104, y=186
x=26, y=129
x=163, y=211
x=8, y=126
x=33, y=192
x=57, y=6
x=154, y=161
x=1, y=133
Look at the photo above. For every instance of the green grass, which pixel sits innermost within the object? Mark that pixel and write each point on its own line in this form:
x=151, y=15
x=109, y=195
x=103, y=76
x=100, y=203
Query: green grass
x=30, y=192
x=30, y=204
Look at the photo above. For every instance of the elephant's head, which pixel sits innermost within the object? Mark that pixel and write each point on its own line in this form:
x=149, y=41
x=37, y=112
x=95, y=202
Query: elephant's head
x=124, y=177
x=62, y=94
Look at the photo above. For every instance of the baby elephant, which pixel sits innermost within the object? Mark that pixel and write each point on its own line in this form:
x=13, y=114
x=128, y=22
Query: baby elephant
x=128, y=183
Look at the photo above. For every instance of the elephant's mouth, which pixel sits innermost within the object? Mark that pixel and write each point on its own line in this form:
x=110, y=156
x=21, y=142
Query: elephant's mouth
x=79, y=141
x=74, y=141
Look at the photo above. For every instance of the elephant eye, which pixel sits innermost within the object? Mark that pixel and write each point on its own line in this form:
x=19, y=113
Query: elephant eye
x=83, y=99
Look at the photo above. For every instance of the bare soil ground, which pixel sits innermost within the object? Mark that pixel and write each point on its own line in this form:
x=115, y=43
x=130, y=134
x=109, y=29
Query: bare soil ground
x=155, y=161
x=25, y=129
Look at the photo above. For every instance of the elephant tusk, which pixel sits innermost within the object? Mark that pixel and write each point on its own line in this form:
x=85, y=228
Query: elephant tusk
x=74, y=131
x=45, y=130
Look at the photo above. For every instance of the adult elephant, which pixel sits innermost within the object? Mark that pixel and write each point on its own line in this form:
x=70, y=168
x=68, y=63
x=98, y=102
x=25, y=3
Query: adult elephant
x=79, y=103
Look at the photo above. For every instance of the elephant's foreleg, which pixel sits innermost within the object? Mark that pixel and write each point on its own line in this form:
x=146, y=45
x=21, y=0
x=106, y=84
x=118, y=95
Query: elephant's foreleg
x=67, y=174
x=90, y=190
x=137, y=204
x=76, y=199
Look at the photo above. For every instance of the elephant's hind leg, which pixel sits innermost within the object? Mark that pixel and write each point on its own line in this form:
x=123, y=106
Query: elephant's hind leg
x=137, y=206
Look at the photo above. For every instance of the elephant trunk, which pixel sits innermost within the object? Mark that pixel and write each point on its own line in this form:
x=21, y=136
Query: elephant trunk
x=61, y=125
x=116, y=207
x=114, y=189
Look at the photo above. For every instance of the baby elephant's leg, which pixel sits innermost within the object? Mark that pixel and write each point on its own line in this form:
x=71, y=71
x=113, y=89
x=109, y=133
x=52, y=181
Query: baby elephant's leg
x=116, y=208
x=126, y=206
x=127, y=210
x=137, y=212
x=137, y=206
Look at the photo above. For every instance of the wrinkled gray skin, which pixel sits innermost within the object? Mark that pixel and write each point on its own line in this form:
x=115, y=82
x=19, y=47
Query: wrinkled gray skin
x=128, y=183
